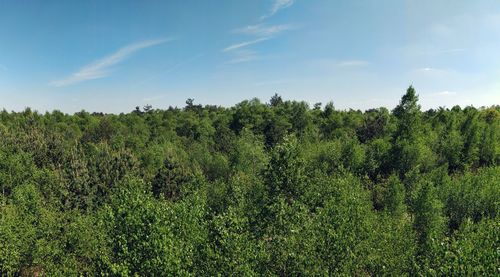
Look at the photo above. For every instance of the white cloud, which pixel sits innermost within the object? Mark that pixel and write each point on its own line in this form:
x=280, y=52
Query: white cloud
x=433, y=71
x=262, y=30
x=278, y=5
x=477, y=96
x=352, y=63
x=427, y=69
x=446, y=92
x=243, y=44
x=243, y=55
x=101, y=68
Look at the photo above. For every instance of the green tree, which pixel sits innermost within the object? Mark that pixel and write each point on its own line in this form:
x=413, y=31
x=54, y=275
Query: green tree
x=429, y=222
x=395, y=197
x=341, y=227
x=285, y=173
x=408, y=114
x=169, y=179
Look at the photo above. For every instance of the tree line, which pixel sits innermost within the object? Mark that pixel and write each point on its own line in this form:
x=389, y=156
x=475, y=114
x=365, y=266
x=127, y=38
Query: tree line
x=278, y=188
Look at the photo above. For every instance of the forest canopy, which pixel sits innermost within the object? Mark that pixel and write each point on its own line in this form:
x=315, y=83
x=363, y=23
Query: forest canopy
x=278, y=188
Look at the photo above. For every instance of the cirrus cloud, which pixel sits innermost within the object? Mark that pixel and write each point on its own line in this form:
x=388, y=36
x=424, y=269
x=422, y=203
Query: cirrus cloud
x=101, y=68
x=278, y=5
x=263, y=30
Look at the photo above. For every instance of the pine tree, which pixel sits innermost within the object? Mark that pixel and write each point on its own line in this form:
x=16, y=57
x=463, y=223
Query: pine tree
x=408, y=114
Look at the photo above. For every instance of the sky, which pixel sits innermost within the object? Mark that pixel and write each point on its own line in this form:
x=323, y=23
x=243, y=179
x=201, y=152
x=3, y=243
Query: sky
x=111, y=56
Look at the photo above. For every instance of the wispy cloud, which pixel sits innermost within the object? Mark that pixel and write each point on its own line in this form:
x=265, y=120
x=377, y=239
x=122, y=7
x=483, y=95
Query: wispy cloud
x=262, y=29
x=278, y=5
x=432, y=71
x=428, y=69
x=243, y=44
x=101, y=67
x=243, y=55
x=445, y=93
x=3, y=67
x=352, y=63
x=261, y=32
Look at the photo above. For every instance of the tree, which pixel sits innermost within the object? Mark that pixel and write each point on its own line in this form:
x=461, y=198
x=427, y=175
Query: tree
x=342, y=227
x=285, y=172
x=275, y=100
x=148, y=108
x=473, y=250
x=410, y=151
x=232, y=250
x=253, y=189
x=429, y=222
x=395, y=197
x=139, y=233
x=169, y=180
x=375, y=125
x=408, y=115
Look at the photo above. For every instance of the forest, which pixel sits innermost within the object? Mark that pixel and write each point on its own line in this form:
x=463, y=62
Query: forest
x=275, y=188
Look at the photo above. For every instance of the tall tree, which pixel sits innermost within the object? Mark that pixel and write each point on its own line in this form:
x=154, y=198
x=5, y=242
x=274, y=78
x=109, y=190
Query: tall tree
x=408, y=115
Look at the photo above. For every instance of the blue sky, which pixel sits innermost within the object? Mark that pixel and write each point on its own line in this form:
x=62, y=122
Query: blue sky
x=111, y=56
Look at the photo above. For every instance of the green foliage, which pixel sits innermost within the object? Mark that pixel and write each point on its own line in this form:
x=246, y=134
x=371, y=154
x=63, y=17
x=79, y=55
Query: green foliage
x=395, y=197
x=255, y=189
x=473, y=250
x=232, y=250
x=429, y=222
x=248, y=155
x=408, y=115
x=169, y=179
x=148, y=238
x=285, y=173
x=392, y=246
x=287, y=246
x=473, y=196
x=342, y=227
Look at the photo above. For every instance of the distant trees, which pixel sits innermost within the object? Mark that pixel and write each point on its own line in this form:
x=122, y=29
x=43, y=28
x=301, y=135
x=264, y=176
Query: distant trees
x=276, y=188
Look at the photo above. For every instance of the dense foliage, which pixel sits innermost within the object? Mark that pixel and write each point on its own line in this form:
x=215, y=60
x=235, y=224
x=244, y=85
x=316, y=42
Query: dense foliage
x=255, y=189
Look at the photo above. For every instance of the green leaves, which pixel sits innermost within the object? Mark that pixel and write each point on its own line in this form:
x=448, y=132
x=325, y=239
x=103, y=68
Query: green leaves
x=254, y=189
x=148, y=237
x=285, y=173
x=429, y=222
